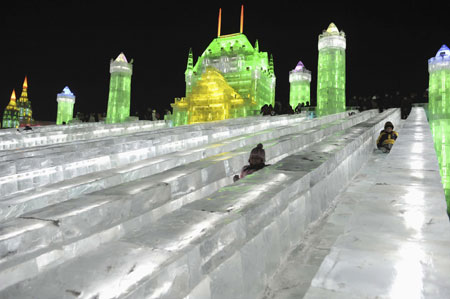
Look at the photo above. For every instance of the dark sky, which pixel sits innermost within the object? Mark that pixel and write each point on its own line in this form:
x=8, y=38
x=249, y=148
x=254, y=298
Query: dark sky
x=58, y=43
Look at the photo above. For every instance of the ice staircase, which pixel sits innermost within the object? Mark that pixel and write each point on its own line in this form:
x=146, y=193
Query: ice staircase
x=46, y=135
x=173, y=225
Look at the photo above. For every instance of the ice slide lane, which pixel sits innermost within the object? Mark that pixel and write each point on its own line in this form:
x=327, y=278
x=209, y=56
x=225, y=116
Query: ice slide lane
x=392, y=229
x=105, y=214
x=31, y=168
x=11, y=139
x=222, y=246
x=19, y=203
x=94, y=129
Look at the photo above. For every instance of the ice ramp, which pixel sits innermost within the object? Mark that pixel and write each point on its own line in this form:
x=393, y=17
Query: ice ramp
x=225, y=241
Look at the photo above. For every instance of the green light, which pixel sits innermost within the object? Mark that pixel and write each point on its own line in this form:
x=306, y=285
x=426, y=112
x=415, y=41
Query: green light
x=119, y=90
x=247, y=71
x=11, y=113
x=439, y=113
x=24, y=105
x=66, y=101
x=331, y=72
x=300, y=79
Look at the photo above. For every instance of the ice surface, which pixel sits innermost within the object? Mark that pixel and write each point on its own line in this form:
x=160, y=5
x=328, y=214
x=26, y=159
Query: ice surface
x=75, y=185
x=213, y=240
x=397, y=233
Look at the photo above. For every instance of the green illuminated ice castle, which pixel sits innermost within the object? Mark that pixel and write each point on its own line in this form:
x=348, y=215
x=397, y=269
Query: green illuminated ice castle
x=232, y=78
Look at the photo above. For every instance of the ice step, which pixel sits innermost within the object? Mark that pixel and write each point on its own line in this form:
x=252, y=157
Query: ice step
x=59, y=134
x=223, y=247
x=194, y=180
x=45, y=215
x=20, y=203
x=211, y=129
x=48, y=135
x=47, y=168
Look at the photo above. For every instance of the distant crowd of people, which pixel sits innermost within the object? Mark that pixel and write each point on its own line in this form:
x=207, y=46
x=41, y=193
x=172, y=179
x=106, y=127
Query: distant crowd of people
x=147, y=114
x=385, y=102
x=279, y=109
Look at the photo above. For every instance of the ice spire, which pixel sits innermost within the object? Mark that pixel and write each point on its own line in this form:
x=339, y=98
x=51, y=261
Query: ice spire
x=299, y=66
x=12, y=101
x=332, y=28
x=24, y=95
x=256, y=46
x=190, y=61
x=271, y=64
x=121, y=58
x=444, y=51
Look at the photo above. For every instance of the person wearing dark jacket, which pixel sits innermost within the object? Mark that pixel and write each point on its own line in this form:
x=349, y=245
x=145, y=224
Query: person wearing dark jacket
x=387, y=138
x=256, y=162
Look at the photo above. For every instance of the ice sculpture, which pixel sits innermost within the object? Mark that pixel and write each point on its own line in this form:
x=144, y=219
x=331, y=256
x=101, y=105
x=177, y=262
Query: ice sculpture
x=65, y=100
x=439, y=112
x=11, y=113
x=24, y=106
x=300, y=79
x=119, y=90
x=331, y=72
x=247, y=72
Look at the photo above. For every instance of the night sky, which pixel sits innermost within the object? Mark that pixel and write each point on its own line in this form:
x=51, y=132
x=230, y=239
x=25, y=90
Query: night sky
x=59, y=43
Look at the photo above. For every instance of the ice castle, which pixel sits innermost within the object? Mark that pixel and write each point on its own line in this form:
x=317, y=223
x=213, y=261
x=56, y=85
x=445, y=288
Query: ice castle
x=232, y=78
x=11, y=113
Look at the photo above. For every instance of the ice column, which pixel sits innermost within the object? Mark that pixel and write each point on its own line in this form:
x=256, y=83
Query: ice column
x=439, y=112
x=119, y=90
x=300, y=79
x=65, y=100
x=331, y=72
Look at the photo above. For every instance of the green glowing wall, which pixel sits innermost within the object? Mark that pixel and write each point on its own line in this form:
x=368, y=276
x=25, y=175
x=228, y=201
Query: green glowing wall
x=299, y=93
x=439, y=113
x=10, y=118
x=331, y=81
x=119, y=98
x=65, y=112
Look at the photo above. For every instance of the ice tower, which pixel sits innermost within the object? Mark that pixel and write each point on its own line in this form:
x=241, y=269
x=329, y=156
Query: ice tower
x=300, y=79
x=331, y=72
x=24, y=106
x=66, y=100
x=119, y=90
x=243, y=74
x=11, y=113
x=439, y=112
